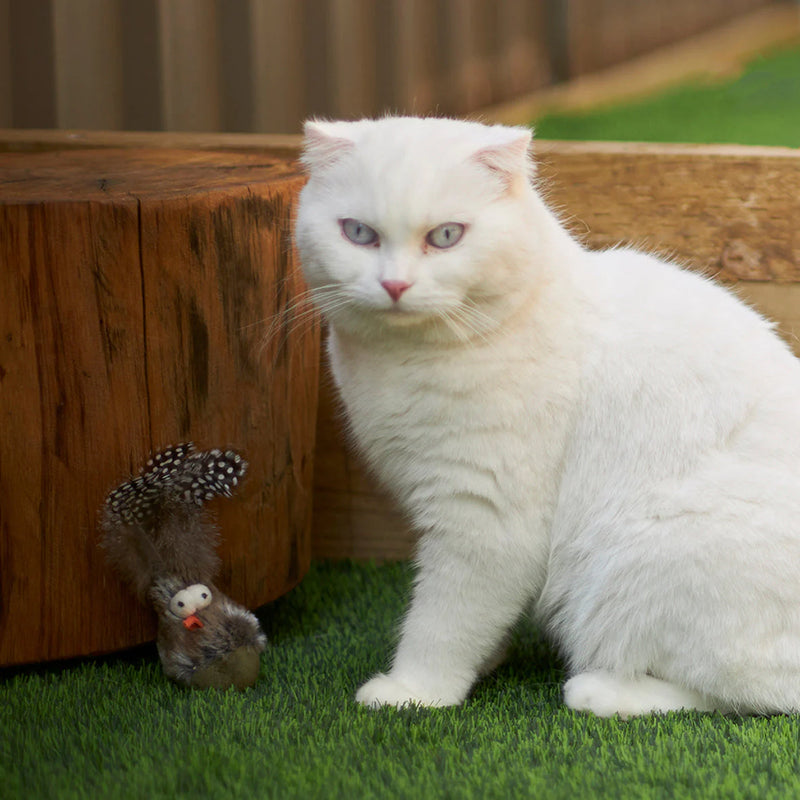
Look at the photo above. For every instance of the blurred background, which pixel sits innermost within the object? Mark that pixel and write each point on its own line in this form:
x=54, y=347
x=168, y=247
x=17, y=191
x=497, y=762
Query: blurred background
x=264, y=65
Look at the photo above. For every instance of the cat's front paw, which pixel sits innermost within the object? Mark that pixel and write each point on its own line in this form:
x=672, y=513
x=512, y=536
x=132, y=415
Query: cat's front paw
x=384, y=690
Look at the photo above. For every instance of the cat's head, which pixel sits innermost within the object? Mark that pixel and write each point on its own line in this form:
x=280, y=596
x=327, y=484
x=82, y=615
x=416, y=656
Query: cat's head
x=416, y=225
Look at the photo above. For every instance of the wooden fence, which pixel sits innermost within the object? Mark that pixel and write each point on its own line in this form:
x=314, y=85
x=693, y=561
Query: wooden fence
x=263, y=65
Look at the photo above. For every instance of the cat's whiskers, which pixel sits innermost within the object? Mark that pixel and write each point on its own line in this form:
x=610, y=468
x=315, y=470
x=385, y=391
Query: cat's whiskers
x=481, y=323
x=455, y=323
x=465, y=321
x=478, y=315
x=302, y=313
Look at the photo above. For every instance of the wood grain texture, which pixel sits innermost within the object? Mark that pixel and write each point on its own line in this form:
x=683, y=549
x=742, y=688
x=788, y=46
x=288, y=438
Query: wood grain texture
x=729, y=211
x=138, y=287
x=284, y=146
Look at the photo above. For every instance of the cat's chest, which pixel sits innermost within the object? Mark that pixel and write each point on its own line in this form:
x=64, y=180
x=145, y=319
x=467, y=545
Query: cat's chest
x=488, y=425
x=483, y=409
x=405, y=396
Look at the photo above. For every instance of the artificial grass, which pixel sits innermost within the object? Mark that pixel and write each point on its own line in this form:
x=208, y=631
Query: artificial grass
x=760, y=107
x=118, y=728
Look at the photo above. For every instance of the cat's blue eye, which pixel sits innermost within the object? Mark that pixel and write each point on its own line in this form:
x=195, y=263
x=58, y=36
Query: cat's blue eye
x=358, y=233
x=445, y=235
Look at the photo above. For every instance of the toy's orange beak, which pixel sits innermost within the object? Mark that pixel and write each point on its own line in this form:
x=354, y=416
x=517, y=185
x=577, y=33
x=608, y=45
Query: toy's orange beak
x=192, y=623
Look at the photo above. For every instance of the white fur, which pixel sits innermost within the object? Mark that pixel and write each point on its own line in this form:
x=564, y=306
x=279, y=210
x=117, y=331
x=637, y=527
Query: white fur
x=603, y=437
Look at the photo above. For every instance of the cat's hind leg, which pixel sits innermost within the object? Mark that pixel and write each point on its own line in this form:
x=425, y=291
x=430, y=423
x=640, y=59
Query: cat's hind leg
x=605, y=694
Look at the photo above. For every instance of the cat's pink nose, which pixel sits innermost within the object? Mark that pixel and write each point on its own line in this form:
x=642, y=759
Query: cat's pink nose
x=395, y=288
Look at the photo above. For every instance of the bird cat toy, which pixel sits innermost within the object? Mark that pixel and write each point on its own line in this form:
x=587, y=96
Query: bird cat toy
x=158, y=535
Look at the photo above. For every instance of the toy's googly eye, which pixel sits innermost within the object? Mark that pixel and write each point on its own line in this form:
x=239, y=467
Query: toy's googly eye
x=181, y=603
x=202, y=596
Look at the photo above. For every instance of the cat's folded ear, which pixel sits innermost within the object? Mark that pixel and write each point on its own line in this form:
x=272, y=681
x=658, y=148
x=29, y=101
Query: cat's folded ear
x=508, y=153
x=323, y=144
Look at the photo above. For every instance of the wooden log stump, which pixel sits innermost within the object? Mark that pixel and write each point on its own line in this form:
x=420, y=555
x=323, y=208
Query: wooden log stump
x=137, y=288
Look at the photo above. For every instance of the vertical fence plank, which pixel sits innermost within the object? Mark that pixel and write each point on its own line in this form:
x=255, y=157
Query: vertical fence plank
x=412, y=67
x=235, y=65
x=278, y=65
x=190, y=59
x=32, y=73
x=522, y=62
x=353, y=61
x=141, y=66
x=576, y=39
x=317, y=47
x=5, y=65
x=384, y=35
x=618, y=38
x=88, y=65
x=466, y=70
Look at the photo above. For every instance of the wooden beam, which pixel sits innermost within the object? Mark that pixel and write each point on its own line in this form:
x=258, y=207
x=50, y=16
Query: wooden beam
x=728, y=211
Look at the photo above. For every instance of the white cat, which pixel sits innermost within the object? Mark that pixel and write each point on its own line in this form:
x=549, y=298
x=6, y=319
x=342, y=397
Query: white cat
x=600, y=436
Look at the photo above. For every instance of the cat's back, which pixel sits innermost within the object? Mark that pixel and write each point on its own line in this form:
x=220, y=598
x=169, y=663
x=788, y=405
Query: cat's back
x=678, y=369
x=661, y=319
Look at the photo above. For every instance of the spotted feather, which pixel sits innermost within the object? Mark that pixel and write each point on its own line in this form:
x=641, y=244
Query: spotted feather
x=178, y=474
